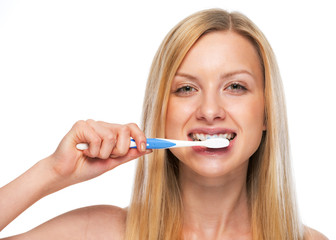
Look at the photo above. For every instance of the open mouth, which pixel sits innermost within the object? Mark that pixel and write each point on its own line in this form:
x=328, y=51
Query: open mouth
x=202, y=136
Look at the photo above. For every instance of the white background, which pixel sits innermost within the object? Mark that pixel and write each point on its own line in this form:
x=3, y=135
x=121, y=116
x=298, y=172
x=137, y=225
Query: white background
x=61, y=61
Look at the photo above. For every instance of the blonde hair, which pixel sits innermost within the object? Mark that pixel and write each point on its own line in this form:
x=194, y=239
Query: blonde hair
x=155, y=211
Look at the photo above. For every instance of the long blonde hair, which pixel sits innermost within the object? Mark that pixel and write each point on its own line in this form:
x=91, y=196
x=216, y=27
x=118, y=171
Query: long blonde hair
x=155, y=211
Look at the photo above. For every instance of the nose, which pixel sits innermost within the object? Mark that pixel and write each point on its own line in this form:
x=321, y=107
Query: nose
x=210, y=108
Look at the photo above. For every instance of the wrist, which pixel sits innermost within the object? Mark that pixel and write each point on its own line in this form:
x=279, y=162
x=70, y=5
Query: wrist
x=18, y=195
x=50, y=180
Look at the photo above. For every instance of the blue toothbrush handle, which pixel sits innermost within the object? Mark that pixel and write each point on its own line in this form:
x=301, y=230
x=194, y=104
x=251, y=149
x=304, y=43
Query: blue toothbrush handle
x=156, y=143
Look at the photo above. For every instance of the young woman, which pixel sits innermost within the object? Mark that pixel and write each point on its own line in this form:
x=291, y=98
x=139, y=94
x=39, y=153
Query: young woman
x=214, y=75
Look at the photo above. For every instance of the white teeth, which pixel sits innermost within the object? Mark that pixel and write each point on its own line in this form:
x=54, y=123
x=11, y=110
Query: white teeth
x=199, y=136
x=202, y=137
x=211, y=136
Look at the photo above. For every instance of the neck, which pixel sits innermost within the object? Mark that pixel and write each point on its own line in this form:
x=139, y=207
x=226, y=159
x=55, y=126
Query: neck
x=215, y=207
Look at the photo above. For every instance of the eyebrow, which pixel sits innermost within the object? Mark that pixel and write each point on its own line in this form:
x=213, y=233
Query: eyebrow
x=185, y=75
x=223, y=76
x=231, y=74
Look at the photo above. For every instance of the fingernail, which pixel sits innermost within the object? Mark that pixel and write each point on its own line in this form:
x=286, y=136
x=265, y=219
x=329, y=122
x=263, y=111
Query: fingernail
x=143, y=147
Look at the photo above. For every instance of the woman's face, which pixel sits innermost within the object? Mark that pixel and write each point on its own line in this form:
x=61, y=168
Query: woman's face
x=217, y=92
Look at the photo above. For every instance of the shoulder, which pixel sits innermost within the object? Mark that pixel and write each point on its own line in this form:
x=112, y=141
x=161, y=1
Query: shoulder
x=312, y=234
x=106, y=222
x=94, y=222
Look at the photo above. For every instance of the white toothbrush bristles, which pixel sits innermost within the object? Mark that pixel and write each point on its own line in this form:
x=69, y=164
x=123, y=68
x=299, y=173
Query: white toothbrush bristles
x=216, y=143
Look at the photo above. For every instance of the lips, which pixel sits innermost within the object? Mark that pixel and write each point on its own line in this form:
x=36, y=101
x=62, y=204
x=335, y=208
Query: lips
x=203, y=134
x=200, y=134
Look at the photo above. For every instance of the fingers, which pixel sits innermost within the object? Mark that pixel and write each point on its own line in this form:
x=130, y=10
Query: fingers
x=106, y=139
x=139, y=137
x=131, y=154
x=123, y=143
x=85, y=134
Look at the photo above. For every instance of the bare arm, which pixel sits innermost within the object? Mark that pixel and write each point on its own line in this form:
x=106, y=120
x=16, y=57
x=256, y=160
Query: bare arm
x=68, y=166
x=312, y=234
x=96, y=222
x=24, y=191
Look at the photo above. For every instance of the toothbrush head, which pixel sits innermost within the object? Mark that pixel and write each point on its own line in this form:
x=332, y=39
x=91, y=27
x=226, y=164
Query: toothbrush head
x=216, y=143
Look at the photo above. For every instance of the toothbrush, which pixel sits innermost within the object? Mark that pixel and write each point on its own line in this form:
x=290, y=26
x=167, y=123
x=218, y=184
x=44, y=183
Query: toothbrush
x=160, y=143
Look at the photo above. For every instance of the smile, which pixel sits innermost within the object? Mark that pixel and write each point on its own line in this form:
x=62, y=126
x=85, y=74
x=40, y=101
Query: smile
x=202, y=136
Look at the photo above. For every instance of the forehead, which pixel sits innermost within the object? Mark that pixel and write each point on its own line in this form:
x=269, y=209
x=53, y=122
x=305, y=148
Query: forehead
x=223, y=51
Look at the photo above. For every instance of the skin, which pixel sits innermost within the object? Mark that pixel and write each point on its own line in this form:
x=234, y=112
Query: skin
x=205, y=98
x=211, y=68
x=213, y=183
x=108, y=148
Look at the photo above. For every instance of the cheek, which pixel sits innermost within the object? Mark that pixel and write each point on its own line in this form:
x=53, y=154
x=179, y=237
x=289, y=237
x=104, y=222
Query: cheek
x=173, y=118
x=171, y=122
x=252, y=125
x=255, y=115
x=249, y=118
x=249, y=115
x=179, y=112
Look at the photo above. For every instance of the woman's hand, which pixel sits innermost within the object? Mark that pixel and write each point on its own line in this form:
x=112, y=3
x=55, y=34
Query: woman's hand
x=108, y=148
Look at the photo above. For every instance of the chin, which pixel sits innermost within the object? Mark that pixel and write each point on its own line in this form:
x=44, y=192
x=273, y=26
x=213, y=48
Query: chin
x=213, y=167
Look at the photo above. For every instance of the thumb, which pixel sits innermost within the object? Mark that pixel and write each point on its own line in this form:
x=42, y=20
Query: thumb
x=132, y=154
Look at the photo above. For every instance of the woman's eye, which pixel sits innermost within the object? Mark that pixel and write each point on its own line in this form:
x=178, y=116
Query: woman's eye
x=236, y=87
x=185, y=90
